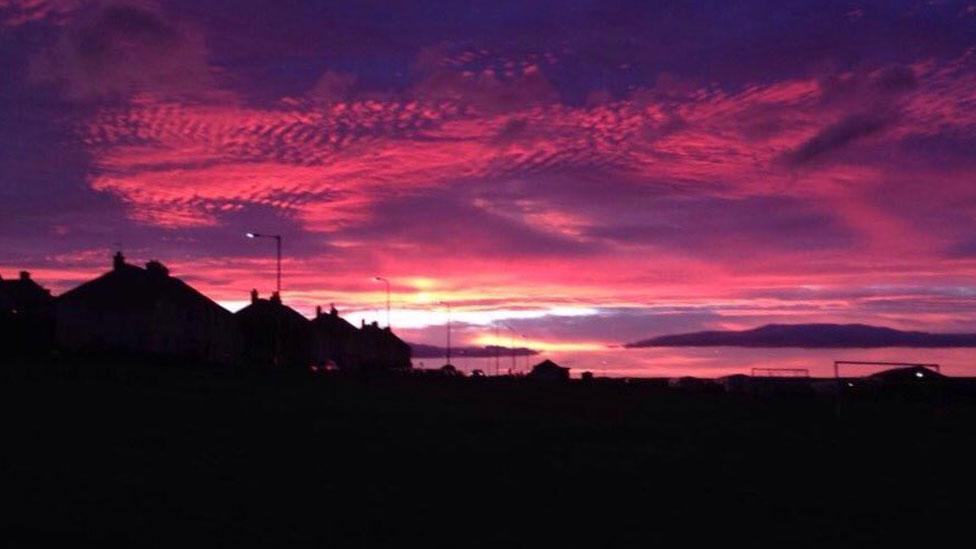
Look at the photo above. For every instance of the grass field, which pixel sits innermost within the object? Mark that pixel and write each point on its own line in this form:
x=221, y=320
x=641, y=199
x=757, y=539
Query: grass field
x=156, y=456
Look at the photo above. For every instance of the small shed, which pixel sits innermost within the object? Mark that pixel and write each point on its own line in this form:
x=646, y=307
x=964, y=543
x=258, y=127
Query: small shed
x=548, y=370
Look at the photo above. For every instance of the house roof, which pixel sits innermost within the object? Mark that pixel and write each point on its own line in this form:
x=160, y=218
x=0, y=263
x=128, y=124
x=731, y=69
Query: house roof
x=548, y=365
x=333, y=322
x=267, y=308
x=910, y=373
x=22, y=291
x=130, y=288
x=373, y=330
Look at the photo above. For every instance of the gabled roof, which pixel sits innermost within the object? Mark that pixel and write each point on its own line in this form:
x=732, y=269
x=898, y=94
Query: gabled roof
x=911, y=373
x=373, y=330
x=130, y=288
x=333, y=322
x=548, y=365
x=266, y=308
x=23, y=291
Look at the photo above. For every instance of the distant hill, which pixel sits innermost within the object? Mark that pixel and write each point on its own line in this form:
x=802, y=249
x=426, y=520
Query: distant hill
x=811, y=336
x=421, y=350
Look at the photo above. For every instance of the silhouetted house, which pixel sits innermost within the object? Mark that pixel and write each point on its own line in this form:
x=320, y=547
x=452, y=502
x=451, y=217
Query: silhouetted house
x=144, y=311
x=334, y=341
x=913, y=382
x=737, y=383
x=548, y=370
x=450, y=370
x=909, y=375
x=274, y=336
x=695, y=384
x=26, y=319
x=381, y=349
x=765, y=385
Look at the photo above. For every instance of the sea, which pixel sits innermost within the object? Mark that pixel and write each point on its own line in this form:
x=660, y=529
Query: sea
x=713, y=362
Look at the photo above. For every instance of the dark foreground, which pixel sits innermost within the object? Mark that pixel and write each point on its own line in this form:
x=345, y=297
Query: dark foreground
x=161, y=457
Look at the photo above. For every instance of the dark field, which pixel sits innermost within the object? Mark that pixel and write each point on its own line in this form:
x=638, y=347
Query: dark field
x=152, y=456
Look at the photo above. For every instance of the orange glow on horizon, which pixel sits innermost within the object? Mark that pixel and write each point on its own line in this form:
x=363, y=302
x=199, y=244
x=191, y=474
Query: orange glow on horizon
x=539, y=345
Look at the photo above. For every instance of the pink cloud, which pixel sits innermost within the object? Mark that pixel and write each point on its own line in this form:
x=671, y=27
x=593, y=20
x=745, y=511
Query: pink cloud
x=475, y=182
x=14, y=13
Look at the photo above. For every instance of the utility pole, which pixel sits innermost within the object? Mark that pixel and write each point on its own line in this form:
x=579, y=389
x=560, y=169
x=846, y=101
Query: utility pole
x=498, y=348
x=511, y=343
x=448, y=305
x=387, y=282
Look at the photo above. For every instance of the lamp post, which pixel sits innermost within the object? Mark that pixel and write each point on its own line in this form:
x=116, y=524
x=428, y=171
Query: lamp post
x=511, y=343
x=448, y=305
x=498, y=348
x=387, y=282
x=277, y=239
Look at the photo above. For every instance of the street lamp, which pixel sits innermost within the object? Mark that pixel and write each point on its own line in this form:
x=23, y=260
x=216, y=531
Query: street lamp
x=448, y=305
x=277, y=238
x=511, y=342
x=498, y=348
x=387, y=282
x=524, y=344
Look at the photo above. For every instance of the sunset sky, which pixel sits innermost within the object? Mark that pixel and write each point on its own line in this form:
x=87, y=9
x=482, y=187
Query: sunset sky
x=587, y=172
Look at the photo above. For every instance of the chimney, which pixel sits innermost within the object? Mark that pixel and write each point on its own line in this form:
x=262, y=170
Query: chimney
x=362, y=322
x=254, y=296
x=24, y=275
x=276, y=298
x=157, y=268
x=118, y=260
x=332, y=310
x=318, y=311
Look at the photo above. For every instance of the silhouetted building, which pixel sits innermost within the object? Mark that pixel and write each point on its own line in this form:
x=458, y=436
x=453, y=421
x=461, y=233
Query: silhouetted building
x=548, y=370
x=695, y=384
x=274, y=336
x=145, y=311
x=450, y=370
x=765, y=385
x=381, y=349
x=907, y=375
x=737, y=383
x=334, y=341
x=26, y=320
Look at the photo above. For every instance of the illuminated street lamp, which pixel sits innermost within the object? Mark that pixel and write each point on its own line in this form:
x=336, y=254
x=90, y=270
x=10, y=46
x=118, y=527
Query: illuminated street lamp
x=277, y=239
x=387, y=282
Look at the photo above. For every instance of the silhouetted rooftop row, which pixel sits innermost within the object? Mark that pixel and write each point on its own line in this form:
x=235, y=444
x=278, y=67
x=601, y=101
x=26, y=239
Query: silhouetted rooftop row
x=137, y=310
